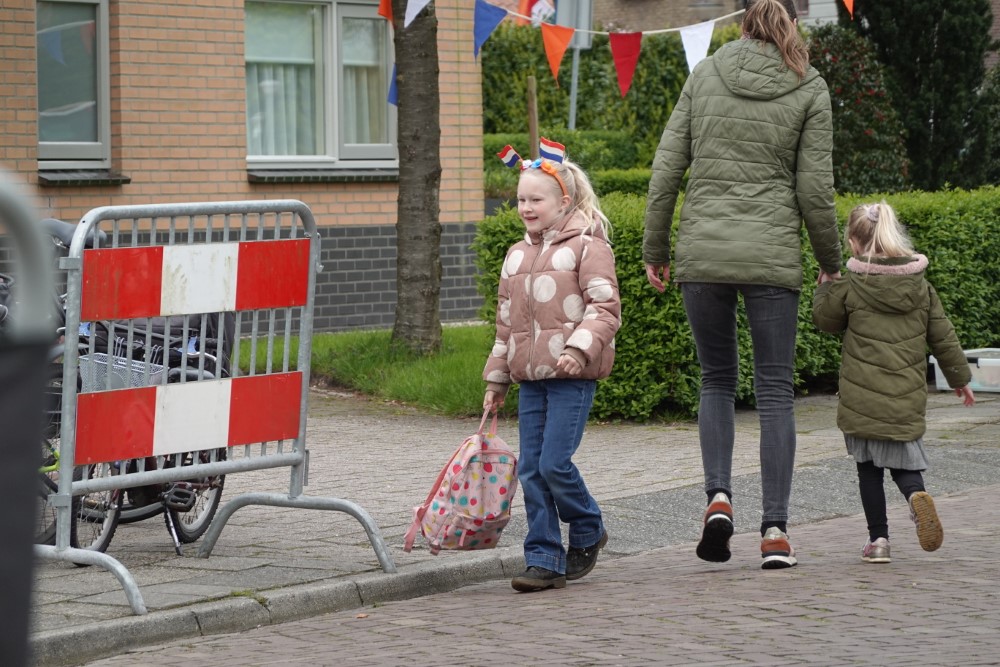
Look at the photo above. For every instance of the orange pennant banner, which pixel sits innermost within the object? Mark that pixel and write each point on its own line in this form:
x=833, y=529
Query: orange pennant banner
x=556, y=39
x=385, y=9
x=850, y=7
x=625, y=48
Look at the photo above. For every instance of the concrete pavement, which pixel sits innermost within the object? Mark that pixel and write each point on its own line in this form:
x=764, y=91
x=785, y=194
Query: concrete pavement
x=274, y=565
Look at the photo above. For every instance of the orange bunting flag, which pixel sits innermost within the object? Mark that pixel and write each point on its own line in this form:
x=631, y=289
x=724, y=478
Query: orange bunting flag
x=556, y=39
x=625, y=52
x=385, y=9
x=850, y=7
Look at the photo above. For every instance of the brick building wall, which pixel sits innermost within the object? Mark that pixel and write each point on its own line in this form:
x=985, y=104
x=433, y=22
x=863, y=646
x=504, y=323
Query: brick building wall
x=178, y=103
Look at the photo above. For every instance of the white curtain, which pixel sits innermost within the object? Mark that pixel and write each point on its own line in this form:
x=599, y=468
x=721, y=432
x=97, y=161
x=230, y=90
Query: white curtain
x=281, y=110
x=364, y=106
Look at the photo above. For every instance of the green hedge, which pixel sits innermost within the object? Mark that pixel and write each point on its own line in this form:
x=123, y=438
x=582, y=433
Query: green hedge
x=656, y=368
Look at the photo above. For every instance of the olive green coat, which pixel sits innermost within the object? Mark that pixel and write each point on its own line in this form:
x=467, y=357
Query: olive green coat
x=889, y=314
x=758, y=141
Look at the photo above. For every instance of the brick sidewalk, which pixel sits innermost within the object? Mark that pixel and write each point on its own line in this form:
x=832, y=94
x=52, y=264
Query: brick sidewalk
x=665, y=607
x=273, y=565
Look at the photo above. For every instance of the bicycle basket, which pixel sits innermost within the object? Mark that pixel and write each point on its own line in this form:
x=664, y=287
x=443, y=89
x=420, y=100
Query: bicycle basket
x=125, y=373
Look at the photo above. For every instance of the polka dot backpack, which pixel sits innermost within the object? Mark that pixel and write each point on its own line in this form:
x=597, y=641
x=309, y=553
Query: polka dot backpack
x=469, y=504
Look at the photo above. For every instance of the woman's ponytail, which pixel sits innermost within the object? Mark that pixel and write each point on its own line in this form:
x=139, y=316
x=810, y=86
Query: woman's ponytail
x=773, y=21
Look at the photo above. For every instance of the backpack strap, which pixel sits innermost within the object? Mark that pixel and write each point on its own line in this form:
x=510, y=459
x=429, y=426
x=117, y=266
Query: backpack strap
x=420, y=510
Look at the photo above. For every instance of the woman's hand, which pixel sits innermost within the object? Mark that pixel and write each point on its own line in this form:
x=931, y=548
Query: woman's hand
x=825, y=277
x=653, y=275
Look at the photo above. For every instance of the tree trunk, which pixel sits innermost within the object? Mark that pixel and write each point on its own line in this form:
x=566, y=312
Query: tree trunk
x=418, y=228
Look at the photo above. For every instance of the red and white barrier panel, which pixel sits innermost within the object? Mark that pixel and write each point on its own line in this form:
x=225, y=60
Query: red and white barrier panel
x=126, y=283
x=169, y=419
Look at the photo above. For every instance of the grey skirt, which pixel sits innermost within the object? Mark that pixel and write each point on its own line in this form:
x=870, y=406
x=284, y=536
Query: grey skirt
x=888, y=453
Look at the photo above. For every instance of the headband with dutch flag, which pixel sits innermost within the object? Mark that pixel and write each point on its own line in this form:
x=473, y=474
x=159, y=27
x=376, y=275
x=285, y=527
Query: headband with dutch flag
x=547, y=150
x=551, y=150
x=509, y=156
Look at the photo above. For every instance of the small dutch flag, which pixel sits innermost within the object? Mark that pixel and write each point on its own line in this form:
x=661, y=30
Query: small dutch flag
x=551, y=150
x=509, y=156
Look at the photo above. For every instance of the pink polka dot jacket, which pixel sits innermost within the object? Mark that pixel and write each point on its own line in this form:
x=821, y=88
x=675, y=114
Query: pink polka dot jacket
x=558, y=292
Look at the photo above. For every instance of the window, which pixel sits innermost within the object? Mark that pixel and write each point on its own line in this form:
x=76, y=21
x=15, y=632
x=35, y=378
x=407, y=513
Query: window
x=74, y=98
x=317, y=78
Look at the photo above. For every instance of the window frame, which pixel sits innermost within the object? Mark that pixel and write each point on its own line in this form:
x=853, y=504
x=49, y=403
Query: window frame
x=338, y=155
x=87, y=155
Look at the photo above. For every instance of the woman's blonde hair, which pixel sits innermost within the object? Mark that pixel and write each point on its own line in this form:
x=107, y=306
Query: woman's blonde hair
x=580, y=192
x=877, y=232
x=772, y=21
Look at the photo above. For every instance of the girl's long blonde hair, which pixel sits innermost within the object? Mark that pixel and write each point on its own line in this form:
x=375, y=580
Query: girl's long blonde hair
x=772, y=21
x=581, y=194
x=877, y=232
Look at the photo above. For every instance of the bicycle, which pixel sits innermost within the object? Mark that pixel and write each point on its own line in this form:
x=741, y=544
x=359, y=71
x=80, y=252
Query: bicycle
x=189, y=505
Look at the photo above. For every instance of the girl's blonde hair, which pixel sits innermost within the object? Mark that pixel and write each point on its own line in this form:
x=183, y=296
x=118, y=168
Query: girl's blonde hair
x=877, y=232
x=772, y=21
x=580, y=192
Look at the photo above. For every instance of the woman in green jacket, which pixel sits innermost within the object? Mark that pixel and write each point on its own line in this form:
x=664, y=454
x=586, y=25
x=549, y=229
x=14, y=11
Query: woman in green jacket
x=889, y=314
x=753, y=125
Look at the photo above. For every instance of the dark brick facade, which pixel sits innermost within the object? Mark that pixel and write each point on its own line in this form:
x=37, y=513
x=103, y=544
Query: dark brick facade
x=357, y=287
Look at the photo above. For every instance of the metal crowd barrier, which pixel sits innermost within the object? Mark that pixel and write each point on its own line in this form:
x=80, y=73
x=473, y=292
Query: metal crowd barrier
x=217, y=277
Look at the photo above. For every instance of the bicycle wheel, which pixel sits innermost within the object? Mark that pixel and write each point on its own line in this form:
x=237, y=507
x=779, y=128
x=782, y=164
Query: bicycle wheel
x=96, y=517
x=48, y=472
x=192, y=524
x=45, y=520
x=131, y=512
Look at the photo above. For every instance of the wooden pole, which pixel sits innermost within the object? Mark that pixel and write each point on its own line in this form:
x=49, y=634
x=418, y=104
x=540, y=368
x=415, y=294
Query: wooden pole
x=533, y=116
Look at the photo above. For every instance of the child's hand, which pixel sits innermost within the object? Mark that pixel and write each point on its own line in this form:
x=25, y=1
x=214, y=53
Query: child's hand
x=568, y=364
x=965, y=393
x=493, y=401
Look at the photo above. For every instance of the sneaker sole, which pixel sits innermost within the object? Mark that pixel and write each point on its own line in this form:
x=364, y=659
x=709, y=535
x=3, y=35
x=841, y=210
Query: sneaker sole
x=583, y=573
x=714, y=544
x=929, y=530
x=778, y=562
x=533, y=585
x=869, y=559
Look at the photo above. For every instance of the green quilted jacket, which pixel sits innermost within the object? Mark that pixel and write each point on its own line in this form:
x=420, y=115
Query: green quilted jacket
x=758, y=141
x=889, y=314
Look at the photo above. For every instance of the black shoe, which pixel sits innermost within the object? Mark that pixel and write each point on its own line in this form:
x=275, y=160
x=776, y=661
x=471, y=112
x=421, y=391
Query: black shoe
x=580, y=561
x=537, y=579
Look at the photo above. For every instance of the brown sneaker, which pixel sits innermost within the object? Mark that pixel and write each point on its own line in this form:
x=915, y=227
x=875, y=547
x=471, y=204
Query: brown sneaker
x=714, y=544
x=776, y=550
x=924, y=515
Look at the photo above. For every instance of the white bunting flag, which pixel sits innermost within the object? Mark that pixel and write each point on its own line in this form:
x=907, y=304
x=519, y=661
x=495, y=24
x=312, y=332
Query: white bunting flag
x=413, y=7
x=696, y=39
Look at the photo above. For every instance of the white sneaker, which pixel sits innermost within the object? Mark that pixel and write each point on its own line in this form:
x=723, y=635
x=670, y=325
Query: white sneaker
x=776, y=550
x=876, y=552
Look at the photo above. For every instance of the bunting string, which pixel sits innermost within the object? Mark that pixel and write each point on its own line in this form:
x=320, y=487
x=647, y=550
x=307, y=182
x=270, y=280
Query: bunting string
x=625, y=46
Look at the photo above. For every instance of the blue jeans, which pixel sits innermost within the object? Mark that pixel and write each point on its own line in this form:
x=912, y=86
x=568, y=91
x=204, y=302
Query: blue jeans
x=773, y=316
x=552, y=415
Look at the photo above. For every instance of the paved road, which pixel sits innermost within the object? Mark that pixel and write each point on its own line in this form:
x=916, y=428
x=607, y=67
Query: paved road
x=665, y=607
x=274, y=565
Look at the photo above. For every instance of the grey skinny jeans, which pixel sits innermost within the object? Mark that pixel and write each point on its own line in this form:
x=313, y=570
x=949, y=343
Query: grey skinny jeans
x=773, y=316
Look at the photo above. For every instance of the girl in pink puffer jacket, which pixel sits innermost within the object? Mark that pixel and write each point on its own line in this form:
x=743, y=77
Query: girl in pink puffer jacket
x=558, y=310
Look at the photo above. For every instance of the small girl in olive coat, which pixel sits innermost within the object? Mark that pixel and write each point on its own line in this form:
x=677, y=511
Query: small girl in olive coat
x=889, y=314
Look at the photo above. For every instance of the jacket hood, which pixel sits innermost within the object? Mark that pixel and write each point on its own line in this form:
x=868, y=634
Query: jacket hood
x=892, y=285
x=755, y=69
